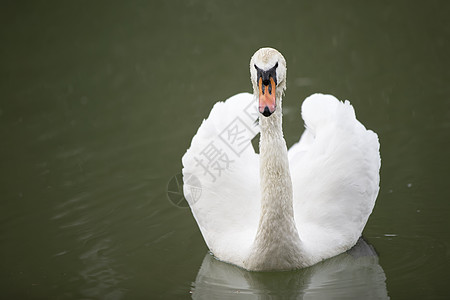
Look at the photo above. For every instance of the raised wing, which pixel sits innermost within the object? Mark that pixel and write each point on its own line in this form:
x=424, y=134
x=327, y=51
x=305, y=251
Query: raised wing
x=221, y=177
x=335, y=175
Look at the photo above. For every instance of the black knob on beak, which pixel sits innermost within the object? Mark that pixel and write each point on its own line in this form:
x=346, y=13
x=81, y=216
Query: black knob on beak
x=266, y=112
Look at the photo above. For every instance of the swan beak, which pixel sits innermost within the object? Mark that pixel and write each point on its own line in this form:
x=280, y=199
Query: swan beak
x=267, y=103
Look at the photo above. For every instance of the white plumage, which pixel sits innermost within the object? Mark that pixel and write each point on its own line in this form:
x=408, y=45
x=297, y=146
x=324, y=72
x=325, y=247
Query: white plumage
x=280, y=209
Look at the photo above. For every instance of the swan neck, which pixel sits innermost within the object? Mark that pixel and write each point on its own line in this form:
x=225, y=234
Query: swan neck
x=276, y=244
x=276, y=185
x=271, y=127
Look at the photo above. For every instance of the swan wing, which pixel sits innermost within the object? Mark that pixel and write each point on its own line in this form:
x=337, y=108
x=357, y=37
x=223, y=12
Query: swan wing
x=221, y=178
x=335, y=176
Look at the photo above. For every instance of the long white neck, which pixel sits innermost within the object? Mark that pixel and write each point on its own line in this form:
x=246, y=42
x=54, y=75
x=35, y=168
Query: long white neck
x=277, y=244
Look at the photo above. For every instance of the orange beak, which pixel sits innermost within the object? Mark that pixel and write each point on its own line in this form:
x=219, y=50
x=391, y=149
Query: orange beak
x=267, y=104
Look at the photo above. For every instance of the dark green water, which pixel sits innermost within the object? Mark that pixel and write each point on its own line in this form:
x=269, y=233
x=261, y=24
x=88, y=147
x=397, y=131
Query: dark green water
x=99, y=102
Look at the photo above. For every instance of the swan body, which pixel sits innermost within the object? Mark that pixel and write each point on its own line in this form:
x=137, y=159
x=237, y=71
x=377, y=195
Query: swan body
x=280, y=209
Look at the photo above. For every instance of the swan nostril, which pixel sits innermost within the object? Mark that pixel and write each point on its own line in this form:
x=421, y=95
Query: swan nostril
x=266, y=112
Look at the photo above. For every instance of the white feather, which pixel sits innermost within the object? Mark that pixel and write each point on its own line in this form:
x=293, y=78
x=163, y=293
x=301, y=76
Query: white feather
x=228, y=209
x=334, y=170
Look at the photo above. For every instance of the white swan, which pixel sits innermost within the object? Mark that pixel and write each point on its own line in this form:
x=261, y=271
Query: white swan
x=281, y=209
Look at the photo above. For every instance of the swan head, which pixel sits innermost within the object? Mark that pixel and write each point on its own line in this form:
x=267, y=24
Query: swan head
x=268, y=76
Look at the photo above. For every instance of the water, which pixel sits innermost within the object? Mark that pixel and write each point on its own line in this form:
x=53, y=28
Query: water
x=99, y=102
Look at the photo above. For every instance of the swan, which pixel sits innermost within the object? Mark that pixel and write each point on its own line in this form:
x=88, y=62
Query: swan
x=278, y=209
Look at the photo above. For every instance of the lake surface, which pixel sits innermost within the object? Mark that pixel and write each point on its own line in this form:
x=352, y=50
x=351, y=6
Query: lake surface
x=99, y=102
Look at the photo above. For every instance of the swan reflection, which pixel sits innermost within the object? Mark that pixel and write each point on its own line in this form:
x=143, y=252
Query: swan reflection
x=355, y=274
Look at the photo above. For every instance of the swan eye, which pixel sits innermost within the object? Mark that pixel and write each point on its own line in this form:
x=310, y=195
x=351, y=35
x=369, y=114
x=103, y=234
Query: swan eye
x=276, y=65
